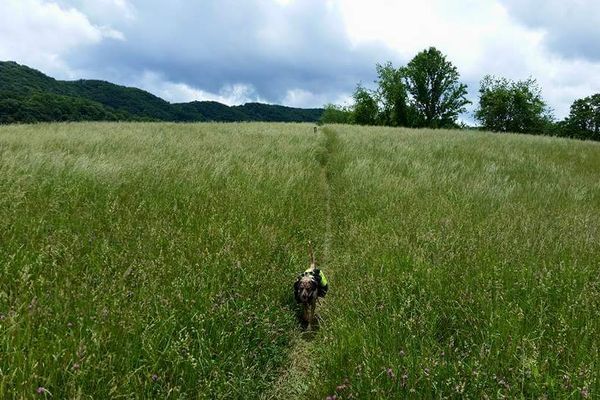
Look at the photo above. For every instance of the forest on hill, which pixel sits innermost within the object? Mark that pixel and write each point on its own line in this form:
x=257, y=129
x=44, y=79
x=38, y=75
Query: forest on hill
x=29, y=96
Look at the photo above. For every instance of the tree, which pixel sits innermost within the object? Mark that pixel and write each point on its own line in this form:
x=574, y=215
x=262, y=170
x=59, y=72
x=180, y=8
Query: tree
x=434, y=89
x=391, y=94
x=334, y=114
x=365, y=107
x=508, y=106
x=583, y=121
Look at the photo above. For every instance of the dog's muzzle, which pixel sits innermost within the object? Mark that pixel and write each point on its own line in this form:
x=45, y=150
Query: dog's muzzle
x=304, y=296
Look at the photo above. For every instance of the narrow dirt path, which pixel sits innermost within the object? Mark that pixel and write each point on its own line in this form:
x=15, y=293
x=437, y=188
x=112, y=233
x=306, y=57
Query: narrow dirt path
x=330, y=146
x=292, y=382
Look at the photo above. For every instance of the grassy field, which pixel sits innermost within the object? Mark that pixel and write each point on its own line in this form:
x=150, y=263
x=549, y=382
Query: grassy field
x=156, y=261
x=471, y=266
x=151, y=260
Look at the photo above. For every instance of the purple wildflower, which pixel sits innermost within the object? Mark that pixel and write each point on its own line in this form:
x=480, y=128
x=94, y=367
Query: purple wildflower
x=41, y=390
x=154, y=377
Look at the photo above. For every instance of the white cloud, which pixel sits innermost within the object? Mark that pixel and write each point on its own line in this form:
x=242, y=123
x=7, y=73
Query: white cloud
x=103, y=11
x=302, y=53
x=108, y=32
x=306, y=99
x=301, y=98
x=479, y=37
x=39, y=33
x=177, y=92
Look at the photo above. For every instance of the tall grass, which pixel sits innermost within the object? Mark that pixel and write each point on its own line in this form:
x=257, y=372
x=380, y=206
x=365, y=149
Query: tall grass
x=156, y=261
x=469, y=263
x=151, y=260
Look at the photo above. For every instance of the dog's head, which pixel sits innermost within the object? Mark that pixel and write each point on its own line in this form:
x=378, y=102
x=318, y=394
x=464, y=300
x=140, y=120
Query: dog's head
x=306, y=289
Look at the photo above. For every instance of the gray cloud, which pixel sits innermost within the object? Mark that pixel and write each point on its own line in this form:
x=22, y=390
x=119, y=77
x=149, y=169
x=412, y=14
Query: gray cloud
x=212, y=44
x=301, y=52
x=571, y=27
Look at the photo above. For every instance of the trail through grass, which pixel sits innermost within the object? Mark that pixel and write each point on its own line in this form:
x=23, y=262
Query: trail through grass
x=293, y=381
x=471, y=267
x=156, y=261
x=152, y=260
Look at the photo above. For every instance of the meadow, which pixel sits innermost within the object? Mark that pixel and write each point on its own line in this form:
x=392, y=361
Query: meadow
x=469, y=263
x=151, y=260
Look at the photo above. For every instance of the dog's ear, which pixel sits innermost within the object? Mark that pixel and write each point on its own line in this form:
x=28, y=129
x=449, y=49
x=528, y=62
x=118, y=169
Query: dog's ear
x=314, y=285
x=297, y=291
x=317, y=275
x=323, y=290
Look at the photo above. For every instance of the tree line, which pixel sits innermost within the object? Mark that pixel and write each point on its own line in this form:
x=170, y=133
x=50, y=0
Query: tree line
x=427, y=93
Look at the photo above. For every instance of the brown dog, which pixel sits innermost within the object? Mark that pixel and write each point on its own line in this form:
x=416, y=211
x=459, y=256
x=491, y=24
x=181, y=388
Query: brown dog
x=309, y=286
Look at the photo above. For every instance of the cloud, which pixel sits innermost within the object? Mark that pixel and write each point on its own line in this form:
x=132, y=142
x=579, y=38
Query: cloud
x=480, y=37
x=103, y=11
x=305, y=99
x=270, y=45
x=302, y=52
x=177, y=92
x=41, y=34
x=571, y=28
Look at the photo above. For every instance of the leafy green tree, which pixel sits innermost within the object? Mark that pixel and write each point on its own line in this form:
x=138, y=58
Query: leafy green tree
x=334, y=114
x=508, y=106
x=365, y=107
x=392, y=96
x=583, y=121
x=434, y=89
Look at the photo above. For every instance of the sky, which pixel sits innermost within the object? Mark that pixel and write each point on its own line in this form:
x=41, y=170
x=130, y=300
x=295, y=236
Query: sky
x=302, y=53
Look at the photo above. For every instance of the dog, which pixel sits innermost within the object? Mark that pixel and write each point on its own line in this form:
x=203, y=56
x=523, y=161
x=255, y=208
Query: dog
x=309, y=286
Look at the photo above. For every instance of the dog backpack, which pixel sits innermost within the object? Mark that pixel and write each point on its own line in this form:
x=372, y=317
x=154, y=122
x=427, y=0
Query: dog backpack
x=321, y=281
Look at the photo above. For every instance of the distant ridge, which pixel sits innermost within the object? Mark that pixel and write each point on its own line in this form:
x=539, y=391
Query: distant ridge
x=27, y=96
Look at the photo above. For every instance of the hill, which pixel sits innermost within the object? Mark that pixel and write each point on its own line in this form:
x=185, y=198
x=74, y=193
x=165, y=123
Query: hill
x=210, y=111
x=275, y=113
x=27, y=95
